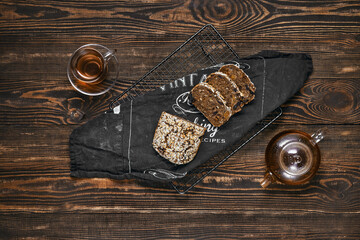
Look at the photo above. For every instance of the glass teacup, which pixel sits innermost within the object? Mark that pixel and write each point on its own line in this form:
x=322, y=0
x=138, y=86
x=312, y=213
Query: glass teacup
x=93, y=69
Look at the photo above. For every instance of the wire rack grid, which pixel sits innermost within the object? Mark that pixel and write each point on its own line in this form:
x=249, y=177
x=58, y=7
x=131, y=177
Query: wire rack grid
x=205, y=48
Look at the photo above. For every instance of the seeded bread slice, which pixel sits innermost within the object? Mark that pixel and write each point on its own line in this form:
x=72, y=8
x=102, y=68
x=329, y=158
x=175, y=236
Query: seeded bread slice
x=176, y=139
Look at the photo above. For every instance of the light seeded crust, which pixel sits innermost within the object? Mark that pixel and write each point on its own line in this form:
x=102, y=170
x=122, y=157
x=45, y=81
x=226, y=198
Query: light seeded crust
x=176, y=139
x=211, y=104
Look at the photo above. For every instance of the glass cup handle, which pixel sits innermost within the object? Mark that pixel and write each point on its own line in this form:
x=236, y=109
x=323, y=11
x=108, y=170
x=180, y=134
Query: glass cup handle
x=318, y=135
x=108, y=56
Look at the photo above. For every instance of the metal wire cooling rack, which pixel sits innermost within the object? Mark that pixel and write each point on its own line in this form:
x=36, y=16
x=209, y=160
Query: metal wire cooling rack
x=204, y=49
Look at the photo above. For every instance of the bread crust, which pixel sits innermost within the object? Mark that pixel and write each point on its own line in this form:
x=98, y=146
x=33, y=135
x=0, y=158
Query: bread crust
x=177, y=139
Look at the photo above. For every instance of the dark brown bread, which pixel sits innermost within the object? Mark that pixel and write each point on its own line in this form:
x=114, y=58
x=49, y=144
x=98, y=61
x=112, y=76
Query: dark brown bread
x=247, y=88
x=223, y=94
x=228, y=89
x=211, y=104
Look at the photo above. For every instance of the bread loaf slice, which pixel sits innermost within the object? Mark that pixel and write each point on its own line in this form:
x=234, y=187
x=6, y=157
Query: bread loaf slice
x=211, y=104
x=223, y=94
x=228, y=89
x=242, y=80
x=176, y=139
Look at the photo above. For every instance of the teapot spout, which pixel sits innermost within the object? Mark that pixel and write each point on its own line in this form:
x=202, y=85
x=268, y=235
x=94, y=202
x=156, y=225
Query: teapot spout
x=268, y=178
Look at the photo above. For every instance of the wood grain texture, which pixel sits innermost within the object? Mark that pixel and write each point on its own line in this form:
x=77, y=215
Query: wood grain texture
x=39, y=109
x=196, y=225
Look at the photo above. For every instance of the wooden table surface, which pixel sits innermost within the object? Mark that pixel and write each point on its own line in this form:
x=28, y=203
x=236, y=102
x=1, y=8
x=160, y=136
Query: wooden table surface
x=38, y=198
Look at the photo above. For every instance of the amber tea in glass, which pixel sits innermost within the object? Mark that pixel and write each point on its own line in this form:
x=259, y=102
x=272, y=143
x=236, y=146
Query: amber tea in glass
x=93, y=69
x=292, y=157
x=89, y=66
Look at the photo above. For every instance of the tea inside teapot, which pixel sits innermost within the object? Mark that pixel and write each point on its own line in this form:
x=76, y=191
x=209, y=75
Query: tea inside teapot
x=292, y=157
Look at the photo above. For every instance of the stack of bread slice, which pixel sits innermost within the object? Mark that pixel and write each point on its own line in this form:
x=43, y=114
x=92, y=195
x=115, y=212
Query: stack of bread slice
x=223, y=94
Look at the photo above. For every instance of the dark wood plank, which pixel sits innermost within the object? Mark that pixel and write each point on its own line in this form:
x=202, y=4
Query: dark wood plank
x=325, y=101
x=181, y=225
x=138, y=18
